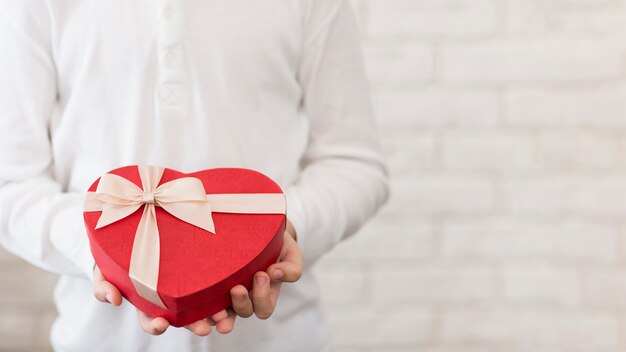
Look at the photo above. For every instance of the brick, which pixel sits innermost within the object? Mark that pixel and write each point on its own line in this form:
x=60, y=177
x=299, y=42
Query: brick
x=594, y=195
x=443, y=194
x=487, y=150
x=531, y=61
x=335, y=284
x=359, y=325
x=531, y=329
x=588, y=107
x=431, y=283
x=406, y=152
x=586, y=18
x=606, y=288
x=512, y=238
x=377, y=282
x=581, y=150
x=45, y=319
x=541, y=286
x=390, y=62
x=389, y=236
x=24, y=285
x=333, y=262
x=16, y=331
x=432, y=108
x=428, y=18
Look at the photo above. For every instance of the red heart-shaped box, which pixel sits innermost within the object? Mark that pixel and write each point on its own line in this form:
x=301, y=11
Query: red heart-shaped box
x=197, y=268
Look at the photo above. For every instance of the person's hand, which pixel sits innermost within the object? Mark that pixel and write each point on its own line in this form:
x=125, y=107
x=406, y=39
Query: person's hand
x=260, y=301
x=106, y=292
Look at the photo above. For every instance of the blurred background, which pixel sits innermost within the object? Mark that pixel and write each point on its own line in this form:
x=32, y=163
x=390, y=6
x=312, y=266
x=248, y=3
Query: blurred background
x=504, y=124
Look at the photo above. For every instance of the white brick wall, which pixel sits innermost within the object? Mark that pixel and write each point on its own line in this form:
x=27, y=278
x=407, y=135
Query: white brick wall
x=504, y=123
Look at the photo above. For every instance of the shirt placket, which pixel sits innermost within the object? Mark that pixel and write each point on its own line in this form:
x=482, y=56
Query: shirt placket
x=170, y=90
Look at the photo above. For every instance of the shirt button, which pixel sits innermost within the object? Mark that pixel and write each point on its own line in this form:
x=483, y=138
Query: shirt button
x=170, y=58
x=170, y=93
x=168, y=13
x=170, y=54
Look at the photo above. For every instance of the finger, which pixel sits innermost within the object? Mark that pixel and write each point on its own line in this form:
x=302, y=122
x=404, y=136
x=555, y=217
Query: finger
x=275, y=291
x=219, y=316
x=242, y=305
x=289, y=268
x=226, y=325
x=97, y=274
x=261, y=299
x=155, y=326
x=200, y=328
x=104, y=291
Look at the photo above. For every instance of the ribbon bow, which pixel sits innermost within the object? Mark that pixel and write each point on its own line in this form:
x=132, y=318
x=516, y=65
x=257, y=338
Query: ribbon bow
x=184, y=198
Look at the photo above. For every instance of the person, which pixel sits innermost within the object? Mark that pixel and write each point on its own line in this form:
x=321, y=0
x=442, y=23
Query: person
x=280, y=87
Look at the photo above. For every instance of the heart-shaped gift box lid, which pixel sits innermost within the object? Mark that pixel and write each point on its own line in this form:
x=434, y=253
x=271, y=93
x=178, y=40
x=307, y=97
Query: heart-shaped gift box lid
x=194, y=264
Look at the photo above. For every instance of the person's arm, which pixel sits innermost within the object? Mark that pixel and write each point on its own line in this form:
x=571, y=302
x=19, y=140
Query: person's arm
x=38, y=220
x=344, y=179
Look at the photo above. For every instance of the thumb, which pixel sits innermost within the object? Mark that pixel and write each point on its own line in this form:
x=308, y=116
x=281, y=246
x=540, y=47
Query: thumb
x=289, y=268
x=104, y=291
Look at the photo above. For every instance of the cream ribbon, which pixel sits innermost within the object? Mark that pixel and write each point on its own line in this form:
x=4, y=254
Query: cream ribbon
x=184, y=198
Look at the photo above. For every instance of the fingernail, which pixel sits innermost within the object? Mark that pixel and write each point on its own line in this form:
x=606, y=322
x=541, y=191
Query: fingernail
x=260, y=279
x=278, y=274
x=107, y=297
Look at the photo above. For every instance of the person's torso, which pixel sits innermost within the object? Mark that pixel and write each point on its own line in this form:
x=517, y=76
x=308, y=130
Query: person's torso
x=182, y=84
x=188, y=85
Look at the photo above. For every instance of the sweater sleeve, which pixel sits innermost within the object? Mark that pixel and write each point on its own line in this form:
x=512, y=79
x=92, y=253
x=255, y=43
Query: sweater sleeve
x=39, y=221
x=344, y=178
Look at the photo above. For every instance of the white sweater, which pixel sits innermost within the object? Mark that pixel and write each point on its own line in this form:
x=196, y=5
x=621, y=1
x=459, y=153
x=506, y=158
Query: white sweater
x=87, y=86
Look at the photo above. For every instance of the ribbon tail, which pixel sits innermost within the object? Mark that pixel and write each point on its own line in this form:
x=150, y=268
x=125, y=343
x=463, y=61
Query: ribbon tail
x=92, y=203
x=144, y=260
